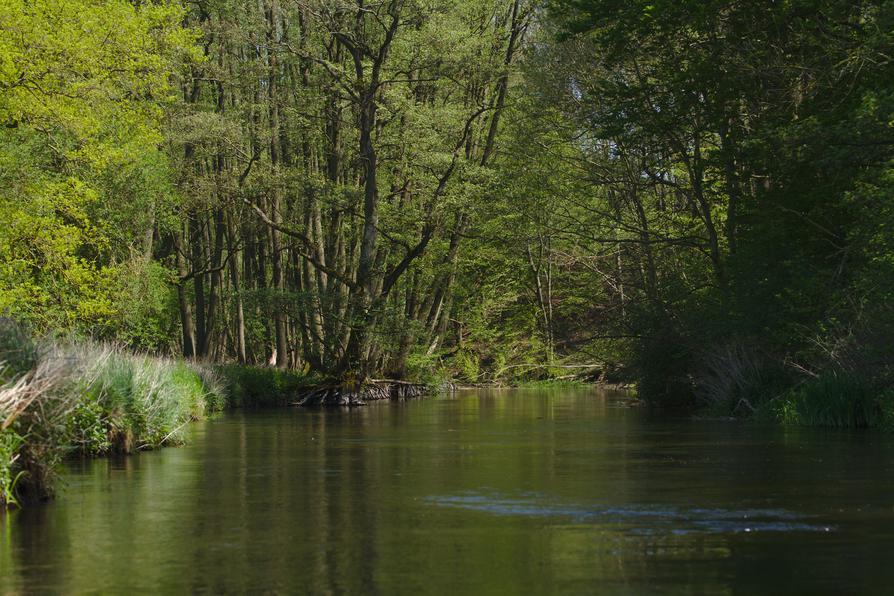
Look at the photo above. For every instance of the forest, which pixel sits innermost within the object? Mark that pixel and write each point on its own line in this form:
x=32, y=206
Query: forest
x=634, y=257
x=694, y=196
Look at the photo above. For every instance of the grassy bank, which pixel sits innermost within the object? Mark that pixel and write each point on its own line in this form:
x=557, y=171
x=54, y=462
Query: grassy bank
x=851, y=393
x=66, y=398
x=257, y=387
x=836, y=400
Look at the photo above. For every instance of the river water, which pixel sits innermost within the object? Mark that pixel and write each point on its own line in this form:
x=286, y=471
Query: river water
x=484, y=492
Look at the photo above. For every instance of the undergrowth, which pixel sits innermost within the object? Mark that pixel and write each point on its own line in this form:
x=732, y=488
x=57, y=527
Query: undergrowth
x=251, y=386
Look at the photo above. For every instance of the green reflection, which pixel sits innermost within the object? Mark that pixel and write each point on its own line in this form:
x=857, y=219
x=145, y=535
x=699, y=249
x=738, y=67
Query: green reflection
x=530, y=491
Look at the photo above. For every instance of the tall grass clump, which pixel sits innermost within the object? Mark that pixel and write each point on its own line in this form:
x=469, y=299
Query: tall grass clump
x=34, y=406
x=849, y=376
x=737, y=379
x=839, y=400
x=132, y=402
x=82, y=397
x=10, y=442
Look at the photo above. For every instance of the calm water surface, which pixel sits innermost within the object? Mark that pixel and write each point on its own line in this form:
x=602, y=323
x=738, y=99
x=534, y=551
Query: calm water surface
x=502, y=492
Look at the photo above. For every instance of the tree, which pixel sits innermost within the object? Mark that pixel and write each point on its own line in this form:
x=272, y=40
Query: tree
x=82, y=91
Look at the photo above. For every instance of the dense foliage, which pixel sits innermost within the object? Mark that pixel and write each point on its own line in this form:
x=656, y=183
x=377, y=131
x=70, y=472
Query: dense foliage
x=745, y=149
x=693, y=194
x=83, y=182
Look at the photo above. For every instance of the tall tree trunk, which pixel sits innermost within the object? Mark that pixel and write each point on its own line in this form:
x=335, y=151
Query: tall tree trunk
x=276, y=257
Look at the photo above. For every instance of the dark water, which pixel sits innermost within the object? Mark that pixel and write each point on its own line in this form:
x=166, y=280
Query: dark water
x=484, y=492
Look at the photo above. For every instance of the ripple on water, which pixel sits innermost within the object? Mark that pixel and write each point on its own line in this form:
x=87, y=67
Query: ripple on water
x=639, y=519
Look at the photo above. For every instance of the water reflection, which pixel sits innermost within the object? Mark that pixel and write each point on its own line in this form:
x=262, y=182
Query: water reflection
x=484, y=492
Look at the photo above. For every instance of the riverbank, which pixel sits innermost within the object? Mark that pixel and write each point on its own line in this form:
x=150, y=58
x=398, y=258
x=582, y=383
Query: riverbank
x=59, y=399
x=65, y=398
x=92, y=399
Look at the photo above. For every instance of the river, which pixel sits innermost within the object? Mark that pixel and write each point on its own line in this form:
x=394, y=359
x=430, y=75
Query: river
x=482, y=492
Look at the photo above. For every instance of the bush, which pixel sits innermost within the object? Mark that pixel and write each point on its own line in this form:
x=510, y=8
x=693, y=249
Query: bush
x=253, y=386
x=467, y=366
x=426, y=369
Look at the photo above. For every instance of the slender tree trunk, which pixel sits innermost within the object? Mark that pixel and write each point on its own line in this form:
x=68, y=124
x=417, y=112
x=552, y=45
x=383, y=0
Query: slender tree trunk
x=276, y=257
x=186, y=322
x=234, y=255
x=198, y=280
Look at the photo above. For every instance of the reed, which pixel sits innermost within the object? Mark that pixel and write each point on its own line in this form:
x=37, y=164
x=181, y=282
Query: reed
x=59, y=398
x=839, y=400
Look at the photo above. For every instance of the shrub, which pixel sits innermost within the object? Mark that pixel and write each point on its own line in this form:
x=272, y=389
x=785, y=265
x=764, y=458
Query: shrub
x=253, y=386
x=426, y=369
x=468, y=366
